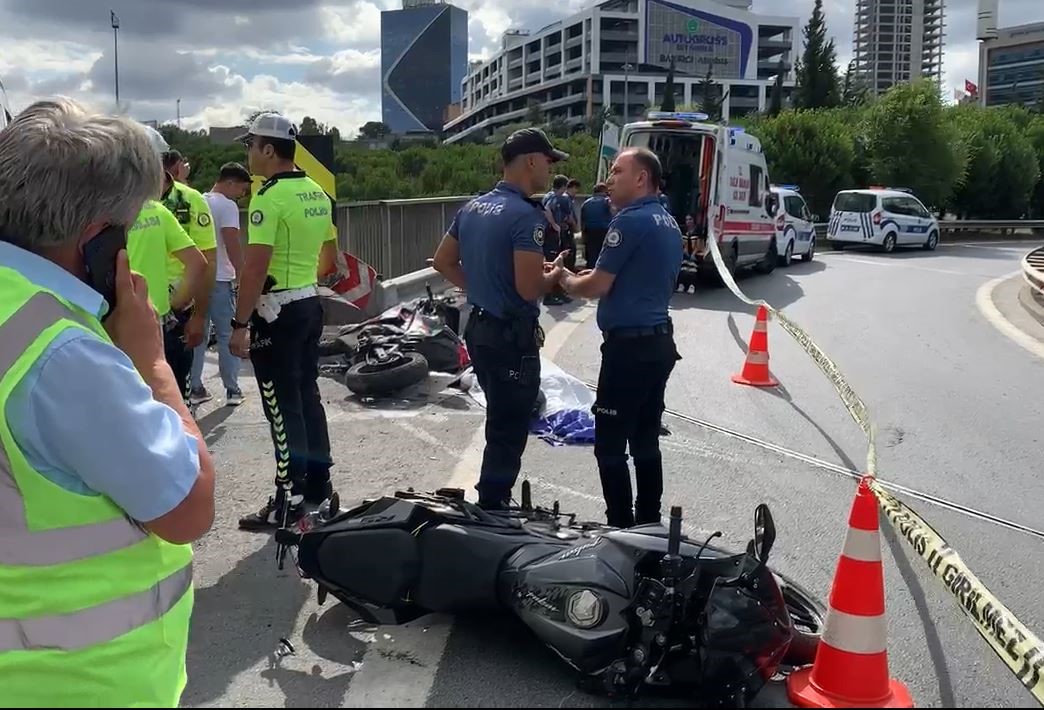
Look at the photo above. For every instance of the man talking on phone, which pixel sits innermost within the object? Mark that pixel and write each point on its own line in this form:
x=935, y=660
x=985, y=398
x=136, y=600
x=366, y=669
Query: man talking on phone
x=105, y=479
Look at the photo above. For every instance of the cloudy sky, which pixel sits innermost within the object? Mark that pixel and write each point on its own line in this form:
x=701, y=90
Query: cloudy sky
x=227, y=58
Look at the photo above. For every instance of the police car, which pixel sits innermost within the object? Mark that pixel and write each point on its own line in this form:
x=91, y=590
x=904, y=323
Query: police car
x=882, y=216
x=795, y=225
x=718, y=174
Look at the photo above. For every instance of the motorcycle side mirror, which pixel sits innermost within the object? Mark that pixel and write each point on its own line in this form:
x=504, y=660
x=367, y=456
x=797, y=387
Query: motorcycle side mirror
x=764, y=533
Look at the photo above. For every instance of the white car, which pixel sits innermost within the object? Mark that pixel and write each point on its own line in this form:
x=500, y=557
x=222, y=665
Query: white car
x=795, y=225
x=884, y=217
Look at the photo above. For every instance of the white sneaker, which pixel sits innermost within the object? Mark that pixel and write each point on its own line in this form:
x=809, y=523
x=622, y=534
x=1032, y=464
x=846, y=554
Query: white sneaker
x=233, y=398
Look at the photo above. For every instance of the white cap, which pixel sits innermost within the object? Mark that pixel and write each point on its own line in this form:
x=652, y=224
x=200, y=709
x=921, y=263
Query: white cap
x=159, y=143
x=271, y=125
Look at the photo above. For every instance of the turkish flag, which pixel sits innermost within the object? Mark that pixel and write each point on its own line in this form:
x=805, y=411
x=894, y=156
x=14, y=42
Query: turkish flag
x=970, y=87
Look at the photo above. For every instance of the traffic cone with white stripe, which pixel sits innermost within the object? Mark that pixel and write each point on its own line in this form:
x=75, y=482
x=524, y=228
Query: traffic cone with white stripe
x=756, y=368
x=851, y=666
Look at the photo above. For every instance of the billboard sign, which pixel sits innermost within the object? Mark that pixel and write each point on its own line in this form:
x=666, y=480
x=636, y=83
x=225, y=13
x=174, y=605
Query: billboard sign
x=696, y=41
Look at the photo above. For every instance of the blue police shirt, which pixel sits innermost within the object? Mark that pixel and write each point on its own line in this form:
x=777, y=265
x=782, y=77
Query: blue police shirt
x=86, y=420
x=561, y=207
x=490, y=229
x=595, y=213
x=641, y=250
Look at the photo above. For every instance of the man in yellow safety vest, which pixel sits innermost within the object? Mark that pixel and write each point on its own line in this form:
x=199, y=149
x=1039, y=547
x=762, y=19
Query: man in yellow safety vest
x=105, y=479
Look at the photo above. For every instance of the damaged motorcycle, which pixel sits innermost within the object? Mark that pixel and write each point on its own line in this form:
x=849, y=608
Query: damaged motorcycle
x=626, y=608
x=399, y=347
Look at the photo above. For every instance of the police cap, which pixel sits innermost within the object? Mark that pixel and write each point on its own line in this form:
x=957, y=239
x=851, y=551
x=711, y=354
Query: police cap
x=530, y=140
x=270, y=125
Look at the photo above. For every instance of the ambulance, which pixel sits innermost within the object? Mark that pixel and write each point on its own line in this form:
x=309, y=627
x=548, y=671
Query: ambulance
x=715, y=173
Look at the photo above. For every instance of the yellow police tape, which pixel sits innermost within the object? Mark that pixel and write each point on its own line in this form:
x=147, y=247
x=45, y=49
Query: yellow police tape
x=1017, y=646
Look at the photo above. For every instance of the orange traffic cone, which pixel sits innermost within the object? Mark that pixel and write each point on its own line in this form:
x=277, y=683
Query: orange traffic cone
x=851, y=666
x=756, y=368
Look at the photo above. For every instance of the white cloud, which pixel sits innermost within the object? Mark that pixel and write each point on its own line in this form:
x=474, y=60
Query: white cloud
x=308, y=57
x=295, y=99
x=42, y=57
x=359, y=24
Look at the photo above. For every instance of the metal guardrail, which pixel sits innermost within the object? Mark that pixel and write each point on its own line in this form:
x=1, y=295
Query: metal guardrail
x=397, y=236
x=1033, y=270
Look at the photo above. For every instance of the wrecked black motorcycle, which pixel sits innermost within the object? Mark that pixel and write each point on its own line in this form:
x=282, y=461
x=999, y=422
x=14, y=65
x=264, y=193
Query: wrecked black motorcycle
x=627, y=608
x=399, y=347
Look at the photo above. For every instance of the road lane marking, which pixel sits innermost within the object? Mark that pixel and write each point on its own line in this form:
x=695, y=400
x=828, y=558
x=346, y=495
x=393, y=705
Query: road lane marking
x=385, y=681
x=896, y=264
x=984, y=301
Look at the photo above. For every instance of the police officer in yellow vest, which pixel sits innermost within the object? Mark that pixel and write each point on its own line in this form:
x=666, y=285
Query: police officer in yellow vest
x=193, y=213
x=153, y=239
x=290, y=242
x=105, y=479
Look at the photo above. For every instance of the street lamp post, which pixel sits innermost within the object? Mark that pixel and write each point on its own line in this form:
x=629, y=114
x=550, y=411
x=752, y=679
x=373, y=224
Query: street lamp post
x=115, y=21
x=627, y=109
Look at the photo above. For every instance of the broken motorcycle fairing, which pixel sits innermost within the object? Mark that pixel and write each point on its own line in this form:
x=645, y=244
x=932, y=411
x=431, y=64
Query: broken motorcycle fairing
x=645, y=606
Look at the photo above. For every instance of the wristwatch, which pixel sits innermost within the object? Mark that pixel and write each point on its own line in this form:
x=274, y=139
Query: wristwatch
x=237, y=324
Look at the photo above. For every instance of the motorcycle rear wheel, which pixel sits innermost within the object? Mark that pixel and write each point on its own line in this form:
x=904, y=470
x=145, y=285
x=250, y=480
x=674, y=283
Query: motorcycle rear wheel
x=365, y=378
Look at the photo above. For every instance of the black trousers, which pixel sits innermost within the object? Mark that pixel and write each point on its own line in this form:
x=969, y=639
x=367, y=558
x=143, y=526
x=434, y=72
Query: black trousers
x=178, y=355
x=285, y=356
x=593, y=240
x=506, y=361
x=628, y=409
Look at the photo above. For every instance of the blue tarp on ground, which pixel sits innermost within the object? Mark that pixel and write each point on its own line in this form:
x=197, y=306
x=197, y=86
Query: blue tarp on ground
x=566, y=417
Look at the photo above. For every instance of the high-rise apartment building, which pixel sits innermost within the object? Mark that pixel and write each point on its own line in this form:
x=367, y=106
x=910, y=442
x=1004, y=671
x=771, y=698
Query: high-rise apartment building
x=617, y=54
x=424, y=58
x=897, y=41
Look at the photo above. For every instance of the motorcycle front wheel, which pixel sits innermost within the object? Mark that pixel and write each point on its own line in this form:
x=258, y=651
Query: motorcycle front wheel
x=381, y=378
x=808, y=617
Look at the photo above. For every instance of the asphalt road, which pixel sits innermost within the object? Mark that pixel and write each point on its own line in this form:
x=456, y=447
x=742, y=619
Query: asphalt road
x=958, y=407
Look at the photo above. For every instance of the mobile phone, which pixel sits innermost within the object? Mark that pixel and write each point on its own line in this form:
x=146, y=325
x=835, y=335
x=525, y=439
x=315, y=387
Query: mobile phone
x=99, y=258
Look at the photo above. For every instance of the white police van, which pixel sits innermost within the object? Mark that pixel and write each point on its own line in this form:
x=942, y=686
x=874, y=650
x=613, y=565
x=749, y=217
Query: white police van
x=881, y=216
x=795, y=225
x=715, y=173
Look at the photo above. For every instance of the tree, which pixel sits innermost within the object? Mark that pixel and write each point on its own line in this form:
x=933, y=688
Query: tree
x=854, y=92
x=813, y=149
x=817, y=79
x=598, y=119
x=911, y=143
x=534, y=114
x=668, y=90
x=776, y=98
x=1003, y=167
x=374, y=130
x=711, y=99
x=309, y=127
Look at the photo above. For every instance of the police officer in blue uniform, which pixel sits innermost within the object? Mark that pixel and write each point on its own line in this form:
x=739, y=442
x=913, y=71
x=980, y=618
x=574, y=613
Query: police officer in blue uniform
x=494, y=250
x=634, y=278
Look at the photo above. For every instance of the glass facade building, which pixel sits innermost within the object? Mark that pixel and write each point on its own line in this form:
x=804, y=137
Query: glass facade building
x=424, y=58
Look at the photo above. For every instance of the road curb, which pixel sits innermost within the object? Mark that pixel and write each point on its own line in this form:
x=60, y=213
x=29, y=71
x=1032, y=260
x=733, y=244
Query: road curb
x=1032, y=303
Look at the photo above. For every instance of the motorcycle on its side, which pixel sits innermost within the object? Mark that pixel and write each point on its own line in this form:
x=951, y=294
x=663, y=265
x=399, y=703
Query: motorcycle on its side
x=399, y=347
x=627, y=608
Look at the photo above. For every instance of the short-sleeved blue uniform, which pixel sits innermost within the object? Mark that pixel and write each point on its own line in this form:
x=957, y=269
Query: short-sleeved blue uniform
x=561, y=207
x=641, y=250
x=595, y=213
x=490, y=229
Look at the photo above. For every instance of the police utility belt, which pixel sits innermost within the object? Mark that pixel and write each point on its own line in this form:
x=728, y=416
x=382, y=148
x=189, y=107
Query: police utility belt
x=269, y=304
x=521, y=332
x=638, y=332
